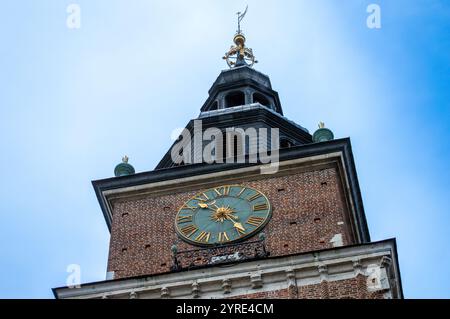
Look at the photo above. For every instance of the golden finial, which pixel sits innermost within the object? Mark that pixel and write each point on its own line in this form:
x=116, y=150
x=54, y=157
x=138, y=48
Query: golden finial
x=239, y=54
x=125, y=159
x=321, y=125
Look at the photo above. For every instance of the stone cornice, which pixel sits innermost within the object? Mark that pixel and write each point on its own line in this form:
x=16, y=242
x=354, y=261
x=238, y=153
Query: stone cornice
x=258, y=276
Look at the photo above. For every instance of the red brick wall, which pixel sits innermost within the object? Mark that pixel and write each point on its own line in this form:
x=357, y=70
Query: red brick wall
x=307, y=207
x=355, y=288
x=276, y=294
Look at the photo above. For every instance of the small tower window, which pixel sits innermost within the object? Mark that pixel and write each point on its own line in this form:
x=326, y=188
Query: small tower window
x=285, y=143
x=233, y=145
x=214, y=106
x=261, y=99
x=234, y=99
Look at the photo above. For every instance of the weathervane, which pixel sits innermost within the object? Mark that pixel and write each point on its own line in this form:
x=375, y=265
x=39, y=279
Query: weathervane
x=239, y=54
x=240, y=17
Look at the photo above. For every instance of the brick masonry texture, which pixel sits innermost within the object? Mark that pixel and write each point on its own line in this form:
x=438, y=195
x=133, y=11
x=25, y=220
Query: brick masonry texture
x=275, y=294
x=355, y=288
x=308, y=210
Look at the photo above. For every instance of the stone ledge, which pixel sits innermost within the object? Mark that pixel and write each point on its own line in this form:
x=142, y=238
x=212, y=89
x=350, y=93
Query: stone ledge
x=266, y=275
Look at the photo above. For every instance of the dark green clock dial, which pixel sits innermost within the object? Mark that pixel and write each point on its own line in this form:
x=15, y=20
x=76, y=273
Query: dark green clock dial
x=223, y=215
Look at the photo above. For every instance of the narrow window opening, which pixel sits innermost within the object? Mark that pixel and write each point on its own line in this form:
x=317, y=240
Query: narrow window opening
x=235, y=147
x=224, y=146
x=285, y=143
x=214, y=106
x=178, y=164
x=235, y=99
x=232, y=145
x=261, y=99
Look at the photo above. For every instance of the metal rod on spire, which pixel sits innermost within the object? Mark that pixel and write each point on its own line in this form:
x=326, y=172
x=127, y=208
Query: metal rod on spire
x=240, y=17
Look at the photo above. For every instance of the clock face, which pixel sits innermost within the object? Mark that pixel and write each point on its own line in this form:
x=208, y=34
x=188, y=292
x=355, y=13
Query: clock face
x=223, y=215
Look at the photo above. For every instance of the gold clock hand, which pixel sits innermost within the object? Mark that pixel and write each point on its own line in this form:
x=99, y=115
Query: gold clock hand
x=235, y=224
x=205, y=205
x=239, y=226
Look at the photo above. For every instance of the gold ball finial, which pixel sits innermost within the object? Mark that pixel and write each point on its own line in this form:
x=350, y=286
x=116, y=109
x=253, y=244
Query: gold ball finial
x=239, y=40
x=125, y=159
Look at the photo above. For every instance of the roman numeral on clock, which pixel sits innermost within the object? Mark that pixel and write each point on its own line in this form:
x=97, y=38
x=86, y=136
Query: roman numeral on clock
x=255, y=221
x=240, y=192
x=223, y=237
x=225, y=191
x=253, y=197
x=203, y=237
x=202, y=197
x=260, y=207
x=184, y=219
x=188, y=207
x=189, y=230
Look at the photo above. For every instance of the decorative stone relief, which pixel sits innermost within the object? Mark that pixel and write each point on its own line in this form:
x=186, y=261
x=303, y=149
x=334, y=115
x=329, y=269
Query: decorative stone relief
x=133, y=295
x=357, y=267
x=292, y=284
x=195, y=290
x=386, y=261
x=323, y=272
x=165, y=293
x=256, y=280
x=226, y=286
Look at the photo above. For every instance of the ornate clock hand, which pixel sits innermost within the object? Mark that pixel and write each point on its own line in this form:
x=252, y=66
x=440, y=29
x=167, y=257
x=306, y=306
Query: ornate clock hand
x=235, y=224
x=232, y=217
x=203, y=205
x=239, y=226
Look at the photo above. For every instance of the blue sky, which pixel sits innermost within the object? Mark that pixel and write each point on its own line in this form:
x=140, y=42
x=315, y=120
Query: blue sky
x=74, y=101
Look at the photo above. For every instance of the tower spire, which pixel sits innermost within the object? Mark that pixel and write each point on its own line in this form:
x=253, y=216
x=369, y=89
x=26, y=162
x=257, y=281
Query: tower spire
x=239, y=54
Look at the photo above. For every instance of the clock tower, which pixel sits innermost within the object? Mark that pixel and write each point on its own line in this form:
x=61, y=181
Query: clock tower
x=245, y=204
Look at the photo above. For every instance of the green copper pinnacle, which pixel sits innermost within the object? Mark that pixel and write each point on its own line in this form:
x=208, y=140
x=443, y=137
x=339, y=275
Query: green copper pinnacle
x=124, y=169
x=322, y=134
